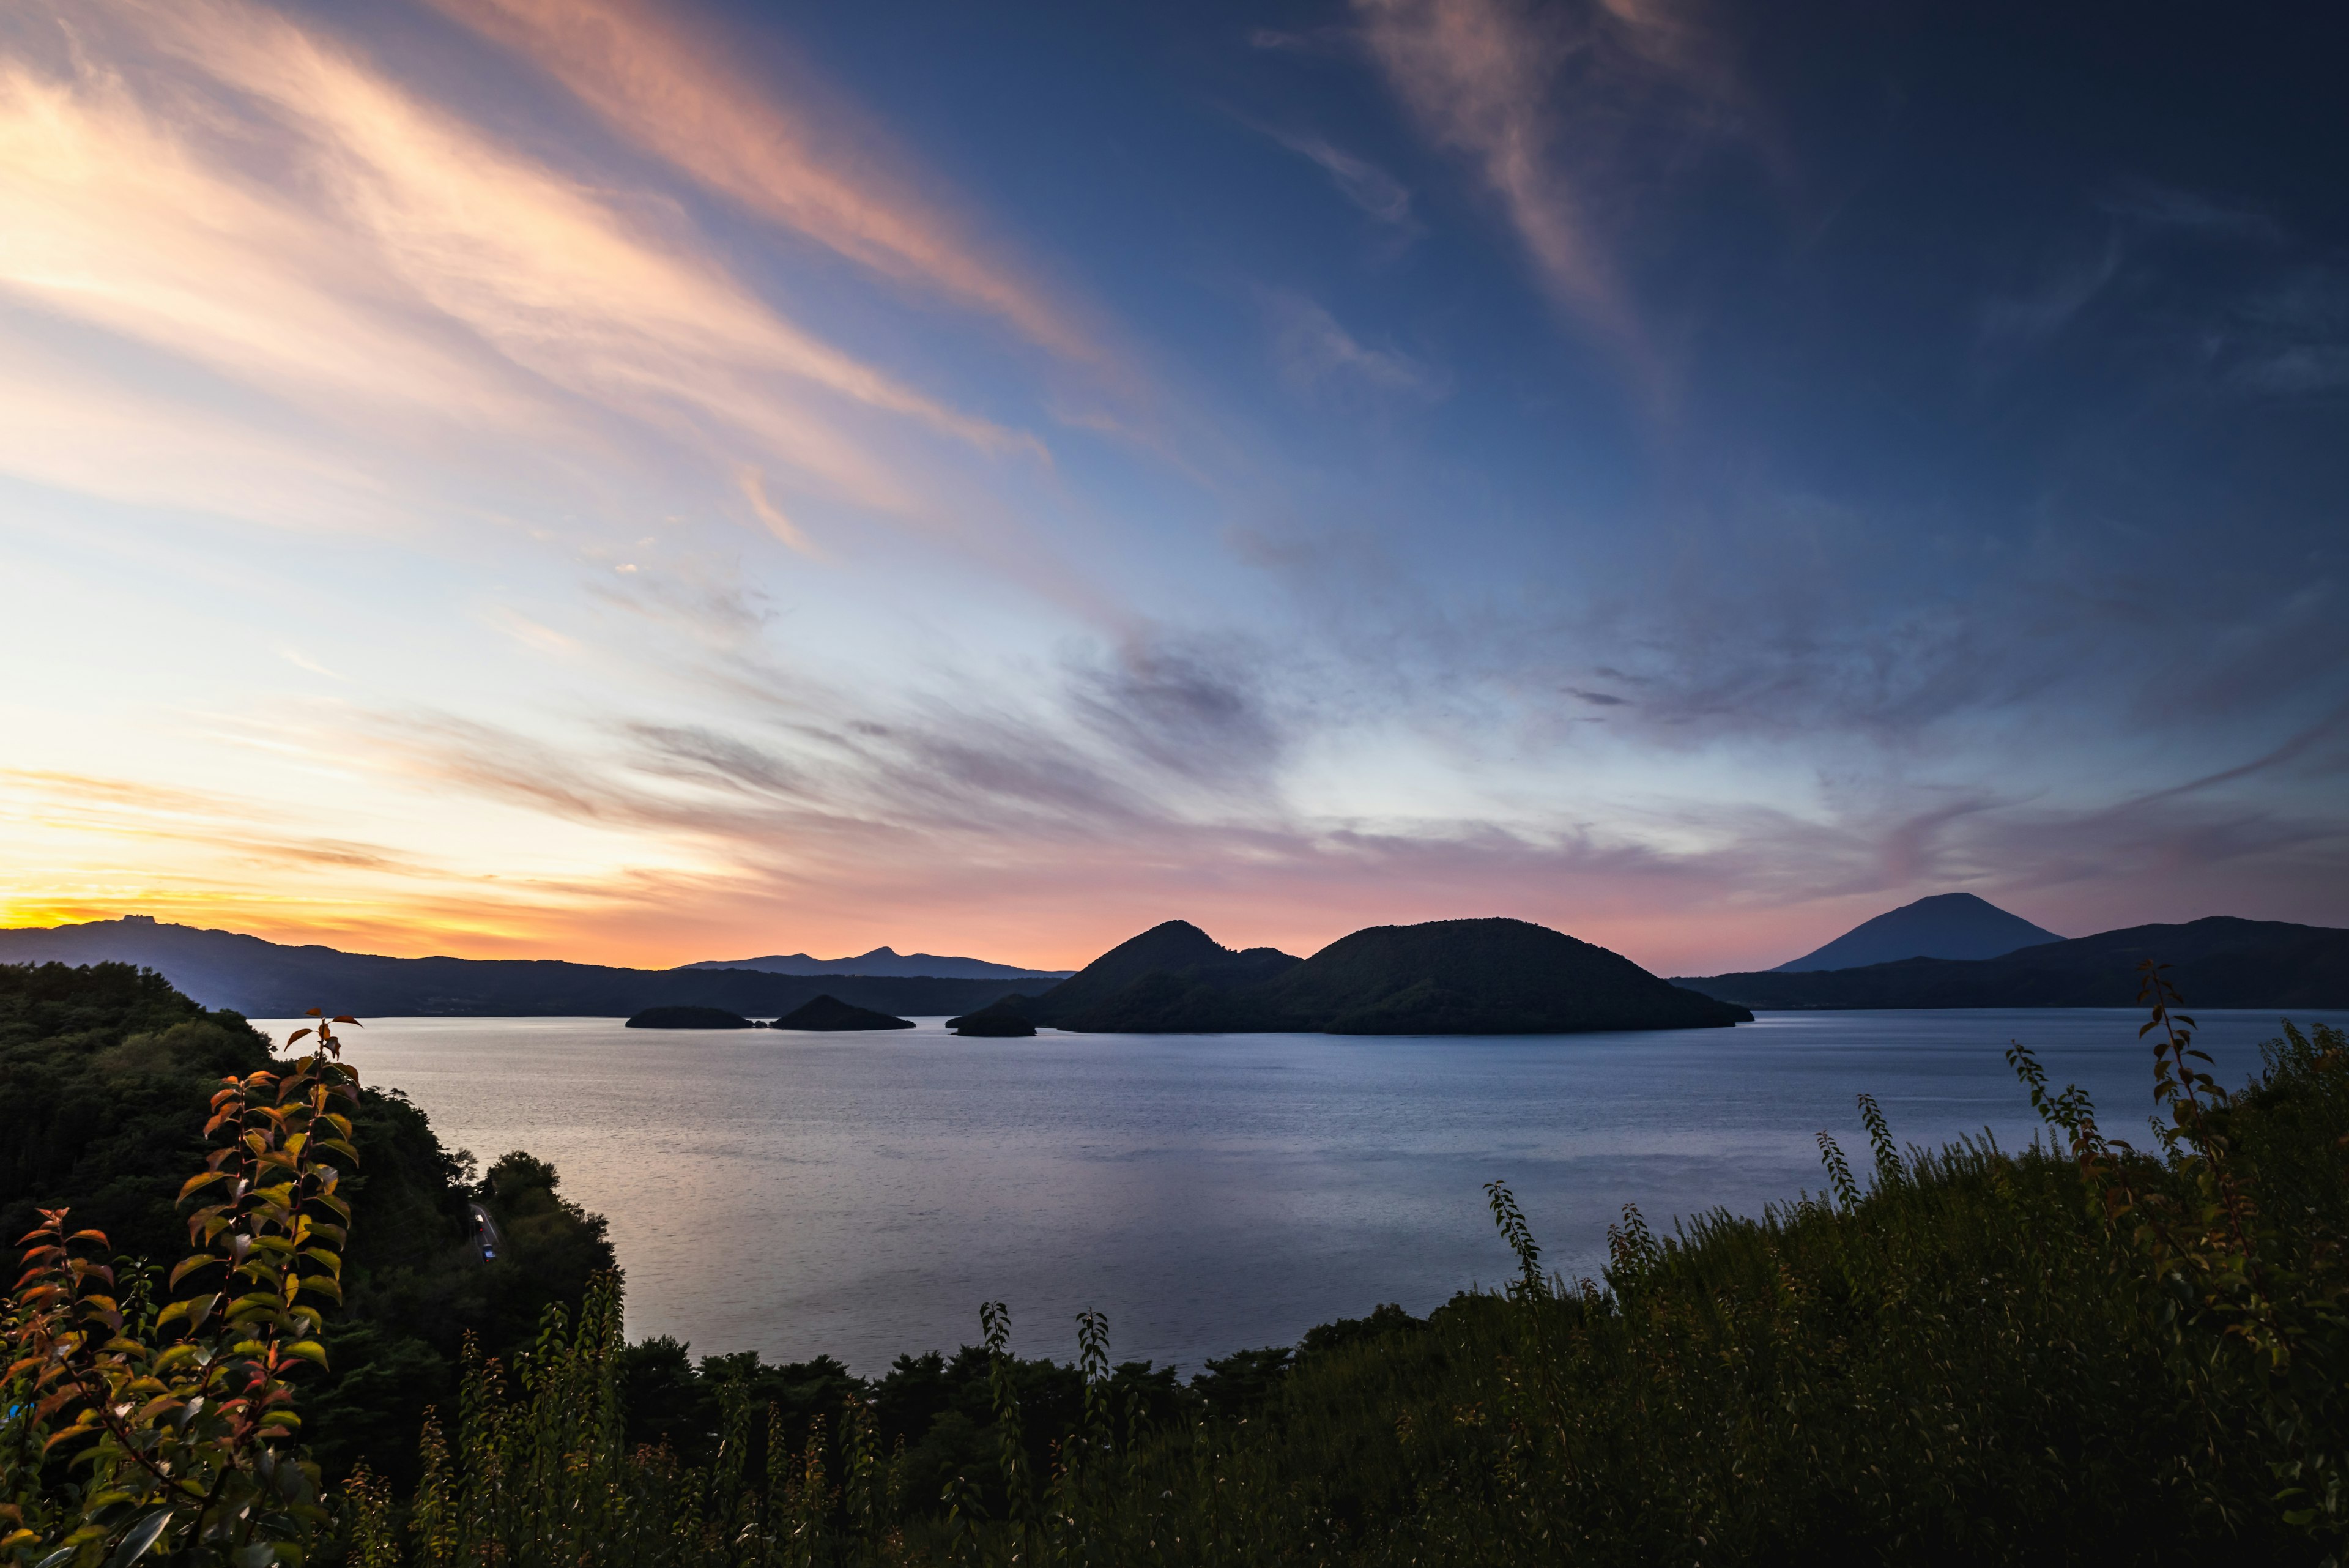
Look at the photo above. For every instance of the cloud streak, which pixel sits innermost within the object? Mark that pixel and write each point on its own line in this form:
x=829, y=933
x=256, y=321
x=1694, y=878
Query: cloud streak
x=388, y=270
x=1360, y=180
x=1561, y=109
x=1478, y=74
x=1315, y=354
x=812, y=165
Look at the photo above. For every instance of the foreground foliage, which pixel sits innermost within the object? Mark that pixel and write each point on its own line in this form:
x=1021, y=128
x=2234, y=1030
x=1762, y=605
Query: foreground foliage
x=106, y=1074
x=2080, y=1351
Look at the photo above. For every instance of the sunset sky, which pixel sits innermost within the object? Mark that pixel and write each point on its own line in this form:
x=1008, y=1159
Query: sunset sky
x=655, y=481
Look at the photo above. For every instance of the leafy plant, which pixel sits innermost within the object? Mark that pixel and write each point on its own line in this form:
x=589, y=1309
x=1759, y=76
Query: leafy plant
x=174, y=1429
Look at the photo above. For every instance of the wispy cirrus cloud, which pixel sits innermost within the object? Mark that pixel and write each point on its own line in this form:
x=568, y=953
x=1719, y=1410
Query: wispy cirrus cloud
x=1480, y=73
x=1360, y=180
x=238, y=197
x=811, y=164
x=1561, y=109
x=1316, y=354
x=133, y=814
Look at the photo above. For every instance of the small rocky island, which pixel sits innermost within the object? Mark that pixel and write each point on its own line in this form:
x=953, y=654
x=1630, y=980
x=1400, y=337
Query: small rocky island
x=689, y=1018
x=831, y=1015
x=1000, y=1020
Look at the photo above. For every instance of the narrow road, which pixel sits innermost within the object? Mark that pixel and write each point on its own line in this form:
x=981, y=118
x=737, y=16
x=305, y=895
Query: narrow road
x=485, y=1234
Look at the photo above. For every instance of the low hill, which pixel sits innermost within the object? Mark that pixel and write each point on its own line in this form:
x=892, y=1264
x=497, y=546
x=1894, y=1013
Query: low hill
x=886, y=961
x=2219, y=961
x=271, y=980
x=1483, y=977
x=1446, y=977
x=1169, y=978
x=830, y=1014
x=1945, y=926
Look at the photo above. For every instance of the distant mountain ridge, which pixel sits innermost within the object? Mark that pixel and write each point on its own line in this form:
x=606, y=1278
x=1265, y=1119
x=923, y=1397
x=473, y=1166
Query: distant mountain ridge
x=1448, y=977
x=1444, y=977
x=271, y=980
x=886, y=961
x=1945, y=926
x=2217, y=962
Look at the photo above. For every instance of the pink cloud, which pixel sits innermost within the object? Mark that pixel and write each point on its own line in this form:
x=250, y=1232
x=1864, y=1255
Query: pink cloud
x=1479, y=74
x=1549, y=104
x=212, y=185
x=813, y=167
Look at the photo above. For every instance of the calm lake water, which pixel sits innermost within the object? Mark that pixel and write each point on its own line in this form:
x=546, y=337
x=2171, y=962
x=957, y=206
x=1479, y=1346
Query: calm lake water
x=860, y=1195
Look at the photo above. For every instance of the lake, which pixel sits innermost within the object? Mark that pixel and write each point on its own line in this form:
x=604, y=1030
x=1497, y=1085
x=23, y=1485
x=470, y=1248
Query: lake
x=860, y=1195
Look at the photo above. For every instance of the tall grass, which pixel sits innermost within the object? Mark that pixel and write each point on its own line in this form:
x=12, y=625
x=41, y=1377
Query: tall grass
x=1972, y=1355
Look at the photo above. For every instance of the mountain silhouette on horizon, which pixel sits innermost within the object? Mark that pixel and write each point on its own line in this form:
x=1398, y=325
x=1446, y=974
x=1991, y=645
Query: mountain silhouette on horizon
x=2219, y=961
x=1945, y=926
x=264, y=979
x=886, y=961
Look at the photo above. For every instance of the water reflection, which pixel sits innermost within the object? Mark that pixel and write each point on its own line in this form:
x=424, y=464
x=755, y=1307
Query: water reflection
x=860, y=1195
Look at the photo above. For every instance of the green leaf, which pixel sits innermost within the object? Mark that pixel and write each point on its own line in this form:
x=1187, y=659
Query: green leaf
x=143, y=1535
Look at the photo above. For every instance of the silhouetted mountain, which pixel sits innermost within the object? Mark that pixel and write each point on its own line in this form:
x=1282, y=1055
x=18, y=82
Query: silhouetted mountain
x=1945, y=926
x=687, y=1018
x=1171, y=971
x=886, y=961
x=1484, y=977
x=1448, y=977
x=2220, y=961
x=830, y=1013
x=267, y=979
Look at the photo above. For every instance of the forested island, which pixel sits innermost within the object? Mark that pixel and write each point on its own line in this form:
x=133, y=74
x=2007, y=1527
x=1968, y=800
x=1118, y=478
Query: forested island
x=829, y=1014
x=1445, y=976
